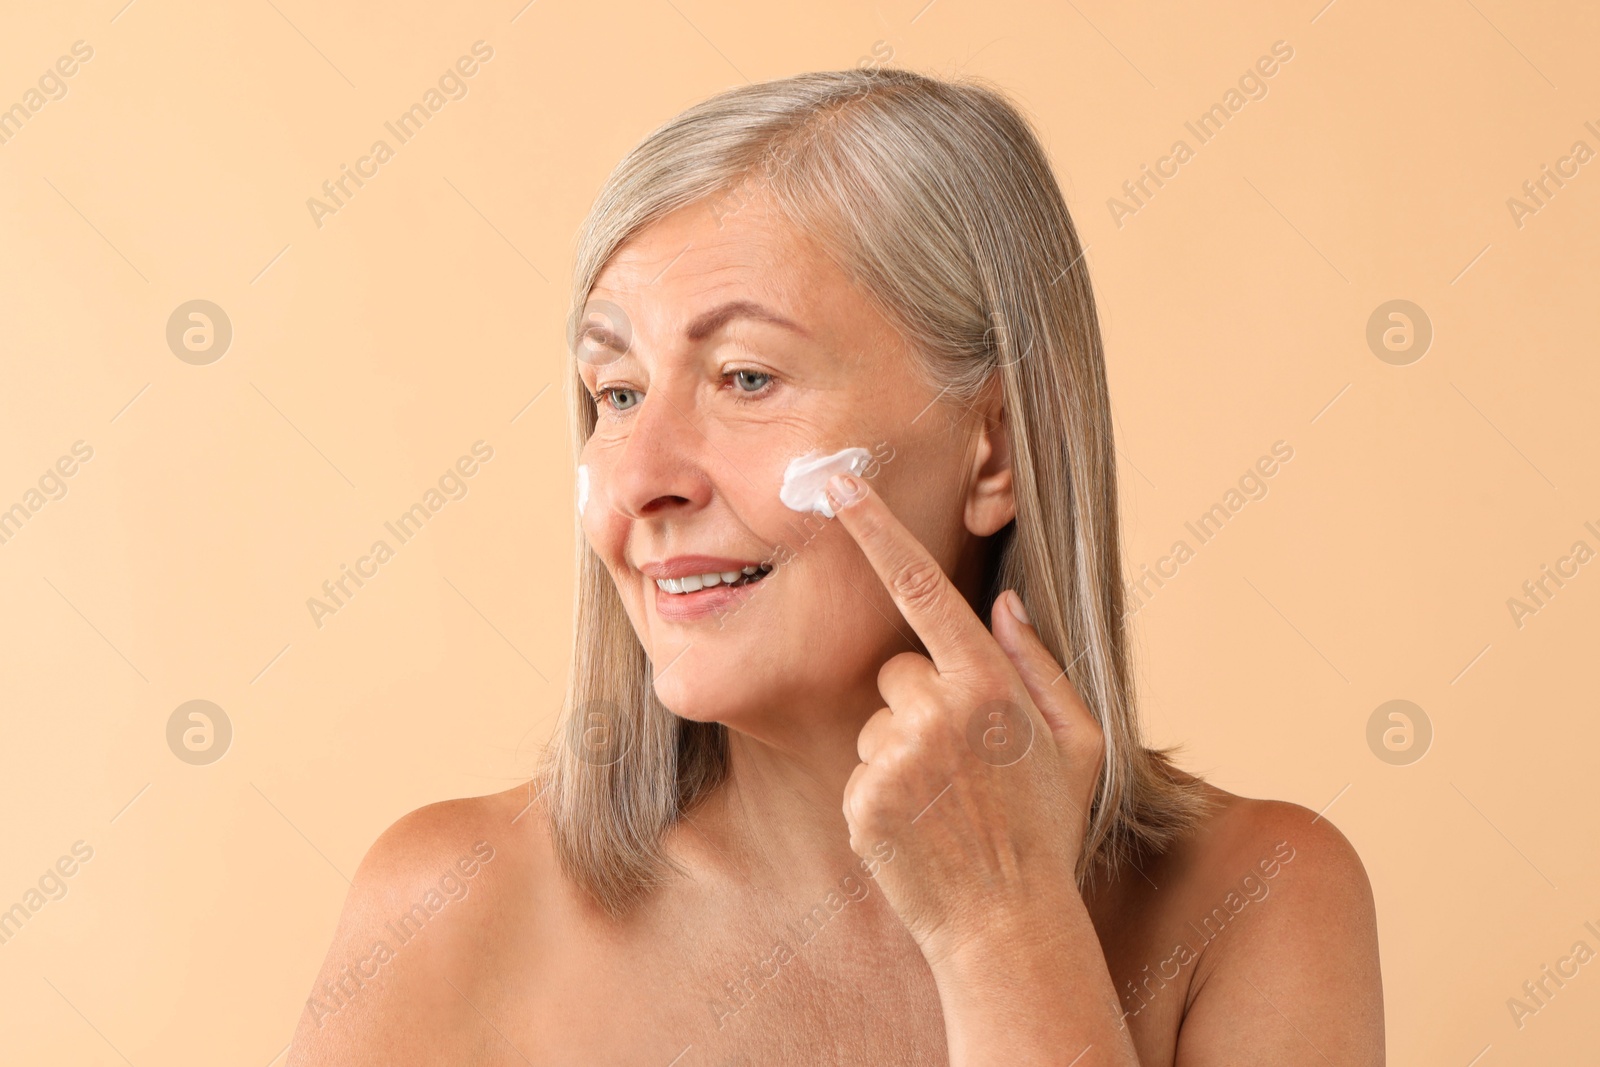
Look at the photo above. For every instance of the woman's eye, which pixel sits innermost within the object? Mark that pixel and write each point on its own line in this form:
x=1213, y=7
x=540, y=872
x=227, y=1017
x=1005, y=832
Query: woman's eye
x=621, y=399
x=750, y=381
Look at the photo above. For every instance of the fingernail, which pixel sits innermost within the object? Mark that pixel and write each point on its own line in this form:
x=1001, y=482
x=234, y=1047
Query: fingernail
x=1014, y=602
x=846, y=489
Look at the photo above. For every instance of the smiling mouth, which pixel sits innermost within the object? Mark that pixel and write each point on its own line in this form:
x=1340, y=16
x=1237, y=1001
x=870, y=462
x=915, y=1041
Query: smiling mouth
x=693, y=583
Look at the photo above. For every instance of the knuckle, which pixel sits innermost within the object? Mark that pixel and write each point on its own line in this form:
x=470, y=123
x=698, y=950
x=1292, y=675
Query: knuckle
x=1088, y=745
x=888, y=766
x=871, y=529
x=902, y=759
x=864, y=808
x=873, y=735
x=918, y=582
x=901, y=667
x=988, y=682
x=897, y=768
x=921, y=712
x=853, y=804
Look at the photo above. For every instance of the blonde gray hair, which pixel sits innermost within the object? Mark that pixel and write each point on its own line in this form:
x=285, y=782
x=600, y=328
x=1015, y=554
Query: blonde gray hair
x=938, y=201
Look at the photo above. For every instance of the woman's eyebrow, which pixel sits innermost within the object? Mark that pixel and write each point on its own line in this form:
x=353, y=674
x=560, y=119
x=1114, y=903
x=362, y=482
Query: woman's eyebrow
x=710, y=322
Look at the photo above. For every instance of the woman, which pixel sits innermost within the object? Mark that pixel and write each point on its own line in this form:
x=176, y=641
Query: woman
x=851, y=771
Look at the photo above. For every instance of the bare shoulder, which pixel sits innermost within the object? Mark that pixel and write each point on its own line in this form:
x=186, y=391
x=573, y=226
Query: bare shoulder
x=1282, y=917
x=438, y=896
x=1301, y=848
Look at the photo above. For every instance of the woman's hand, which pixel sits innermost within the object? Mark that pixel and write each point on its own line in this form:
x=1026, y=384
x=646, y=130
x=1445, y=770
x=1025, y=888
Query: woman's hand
x=980, y=770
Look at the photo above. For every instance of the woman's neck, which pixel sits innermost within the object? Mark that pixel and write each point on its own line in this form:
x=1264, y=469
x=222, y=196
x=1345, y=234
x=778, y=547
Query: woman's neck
x=778, y=818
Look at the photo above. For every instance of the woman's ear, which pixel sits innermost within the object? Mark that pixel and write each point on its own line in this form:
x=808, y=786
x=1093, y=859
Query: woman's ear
x=990, y=503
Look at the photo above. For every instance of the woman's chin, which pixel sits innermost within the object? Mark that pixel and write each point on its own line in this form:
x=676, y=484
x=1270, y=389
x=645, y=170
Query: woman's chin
x=736, y=699
x=702, y=700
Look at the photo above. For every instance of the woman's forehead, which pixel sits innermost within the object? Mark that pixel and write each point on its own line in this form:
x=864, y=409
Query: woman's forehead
x=696, y=246
x=687, y=291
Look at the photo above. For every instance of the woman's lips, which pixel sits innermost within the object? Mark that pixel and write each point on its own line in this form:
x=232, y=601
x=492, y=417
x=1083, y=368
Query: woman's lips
x=721, y=582
x=688, y=607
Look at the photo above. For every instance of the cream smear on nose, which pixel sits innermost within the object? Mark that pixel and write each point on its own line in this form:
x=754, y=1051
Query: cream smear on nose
x=583, y=488
x=805, y=480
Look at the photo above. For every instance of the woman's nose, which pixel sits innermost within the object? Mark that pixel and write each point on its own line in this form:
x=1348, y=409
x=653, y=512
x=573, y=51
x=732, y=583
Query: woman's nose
x=662, y=465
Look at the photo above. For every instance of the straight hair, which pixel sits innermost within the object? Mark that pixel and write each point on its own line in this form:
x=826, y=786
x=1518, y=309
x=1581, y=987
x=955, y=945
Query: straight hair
x=939, y=202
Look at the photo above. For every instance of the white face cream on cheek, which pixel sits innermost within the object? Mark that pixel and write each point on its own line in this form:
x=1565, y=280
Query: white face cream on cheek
x=583, y=488
x=805, y=480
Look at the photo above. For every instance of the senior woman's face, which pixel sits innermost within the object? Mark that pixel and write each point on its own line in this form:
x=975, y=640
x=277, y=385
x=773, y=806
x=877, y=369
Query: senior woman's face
x=746, y=348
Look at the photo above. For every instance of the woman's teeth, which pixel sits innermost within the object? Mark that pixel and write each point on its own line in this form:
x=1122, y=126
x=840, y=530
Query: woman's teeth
x=693, y=583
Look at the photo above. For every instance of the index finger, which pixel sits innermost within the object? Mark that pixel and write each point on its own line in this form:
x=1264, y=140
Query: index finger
x=935, y=608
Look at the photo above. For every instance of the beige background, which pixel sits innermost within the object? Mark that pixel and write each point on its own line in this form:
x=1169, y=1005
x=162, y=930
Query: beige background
x=368, y=354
